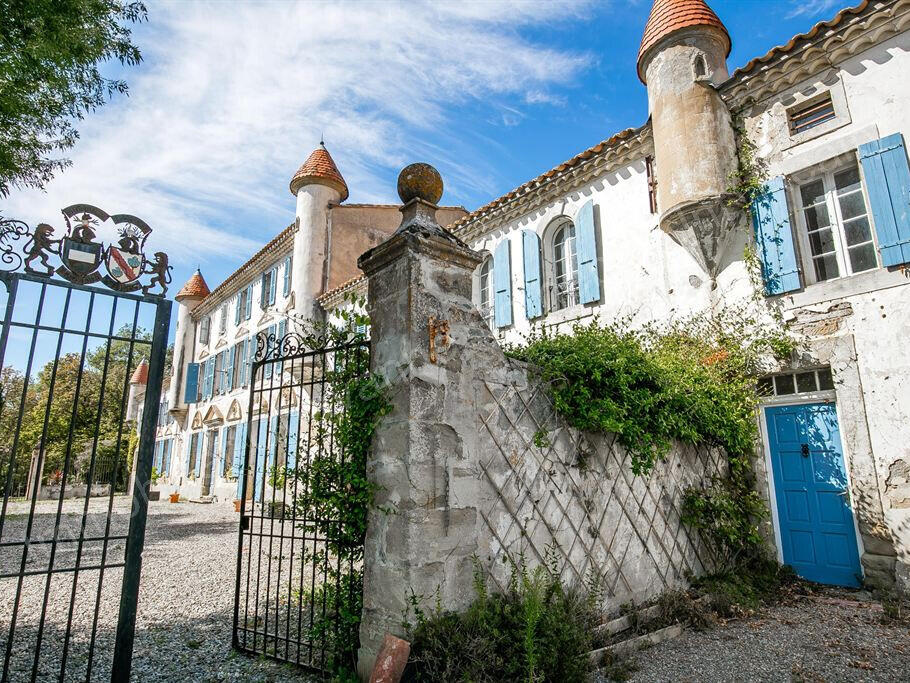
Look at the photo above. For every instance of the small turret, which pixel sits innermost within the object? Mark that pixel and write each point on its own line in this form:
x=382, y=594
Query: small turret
x=683, y=57
x=317, y=184
x=188, y=298
x=136, y=395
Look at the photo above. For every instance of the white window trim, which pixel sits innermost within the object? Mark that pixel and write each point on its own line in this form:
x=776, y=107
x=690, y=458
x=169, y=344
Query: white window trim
x=804, y=94
x=486, y=308
x=826, y=171
x=549, y=266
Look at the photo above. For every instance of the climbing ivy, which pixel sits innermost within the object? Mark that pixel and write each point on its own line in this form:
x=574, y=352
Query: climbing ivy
x=692, y=381
x=747, y=181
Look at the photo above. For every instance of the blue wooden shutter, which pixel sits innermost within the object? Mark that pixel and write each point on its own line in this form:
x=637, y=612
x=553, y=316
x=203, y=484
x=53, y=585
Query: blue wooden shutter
x=192, y=383
x=273, y=285
x=245, y=362
x=229, y=374
x=199, y=451
x=189, y=452
x=239, y=456
x=774, y=239
x=286, y=290
x=167, y=457
x=586, y=249
x=531, y=247
x=293, y=426
x=263, y=292
x=249, y=302
x=887, y=178
x=282, y=330
x=237, y=309
x=502, y=284
x=208, y=378
x=269, y=345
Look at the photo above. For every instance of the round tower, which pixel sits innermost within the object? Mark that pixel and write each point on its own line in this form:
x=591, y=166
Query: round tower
x=188, y=298
x=683, y=57
x=317, y=185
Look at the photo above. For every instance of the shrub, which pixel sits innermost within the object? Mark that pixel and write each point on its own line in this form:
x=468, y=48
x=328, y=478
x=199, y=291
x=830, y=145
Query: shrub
x=537, y=630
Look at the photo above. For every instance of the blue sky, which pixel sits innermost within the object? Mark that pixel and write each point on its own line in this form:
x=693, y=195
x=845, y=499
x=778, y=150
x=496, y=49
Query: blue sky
x=232, y=97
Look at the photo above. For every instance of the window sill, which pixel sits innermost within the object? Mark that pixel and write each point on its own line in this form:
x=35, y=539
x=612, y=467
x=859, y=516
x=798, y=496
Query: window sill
x=843, y=287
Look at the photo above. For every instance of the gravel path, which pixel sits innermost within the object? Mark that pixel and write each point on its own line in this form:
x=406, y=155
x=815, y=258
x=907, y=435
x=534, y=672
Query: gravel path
x=185, y=601
x=835, y=635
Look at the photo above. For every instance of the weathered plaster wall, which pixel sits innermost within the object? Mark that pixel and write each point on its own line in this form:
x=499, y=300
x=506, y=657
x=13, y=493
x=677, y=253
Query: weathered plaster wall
x=865, y=314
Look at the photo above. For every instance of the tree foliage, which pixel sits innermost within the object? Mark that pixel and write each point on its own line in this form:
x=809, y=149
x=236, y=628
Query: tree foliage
x=72, y=407
x=50, y=52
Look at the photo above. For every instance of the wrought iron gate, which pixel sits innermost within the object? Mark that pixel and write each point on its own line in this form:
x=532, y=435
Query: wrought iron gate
x=299, y=569
x=71, y=537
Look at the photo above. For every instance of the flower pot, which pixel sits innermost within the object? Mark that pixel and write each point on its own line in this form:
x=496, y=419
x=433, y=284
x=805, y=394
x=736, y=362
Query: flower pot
x=174, y=497
x=237, y=504
x=154, y=495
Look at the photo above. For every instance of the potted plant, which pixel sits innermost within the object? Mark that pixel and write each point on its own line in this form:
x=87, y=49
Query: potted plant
x=174, y=497
x=154, y=495
x=237, y=504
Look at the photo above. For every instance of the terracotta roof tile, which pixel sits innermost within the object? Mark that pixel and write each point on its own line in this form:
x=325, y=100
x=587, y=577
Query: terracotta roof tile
x=141, y=374
x=195, y=286
x=669, y=16
x=800, y=37
x=320, y=168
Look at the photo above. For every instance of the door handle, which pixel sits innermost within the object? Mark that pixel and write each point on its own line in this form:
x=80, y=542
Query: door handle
x=804, y=450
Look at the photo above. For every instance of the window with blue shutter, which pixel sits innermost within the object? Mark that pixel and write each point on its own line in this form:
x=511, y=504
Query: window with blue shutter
x=208, y=384
x=247, y=361
x=273, y=284
x=286, y=290
x=192, y=383
x=249, y=302
x=269, y=345
x=282, y=330
x=531, y=248
x=502, y=284
x=887, y=178
x=228, y=370
x=774, y=239
x=238, y=308
x=189, y=454
x=586, y=247
x=293, y=426
x=239, y=456
x=169, y=445
x=199, y=441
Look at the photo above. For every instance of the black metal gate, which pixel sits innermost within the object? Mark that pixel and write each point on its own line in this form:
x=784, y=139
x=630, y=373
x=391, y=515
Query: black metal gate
x=299, y=566
x=71, y=536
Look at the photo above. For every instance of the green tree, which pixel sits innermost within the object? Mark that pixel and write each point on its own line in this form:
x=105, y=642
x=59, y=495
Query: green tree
x=50, y=51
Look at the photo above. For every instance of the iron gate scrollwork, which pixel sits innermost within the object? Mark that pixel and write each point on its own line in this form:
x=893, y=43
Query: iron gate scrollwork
x=299, y=565
x=71, y=536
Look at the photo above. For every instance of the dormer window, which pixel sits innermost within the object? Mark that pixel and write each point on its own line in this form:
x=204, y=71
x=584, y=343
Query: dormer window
x=808, y=115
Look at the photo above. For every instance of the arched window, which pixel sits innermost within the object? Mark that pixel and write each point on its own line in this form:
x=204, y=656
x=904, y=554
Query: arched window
x=564, y=286
x=486, y=290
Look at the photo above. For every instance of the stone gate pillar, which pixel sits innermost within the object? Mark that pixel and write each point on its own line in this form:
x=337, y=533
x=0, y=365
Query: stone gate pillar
x=422, y=529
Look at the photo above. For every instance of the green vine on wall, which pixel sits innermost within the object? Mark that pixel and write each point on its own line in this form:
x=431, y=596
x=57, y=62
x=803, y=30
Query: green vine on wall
x=747, y=181
x=336, y=491
x=692, y=381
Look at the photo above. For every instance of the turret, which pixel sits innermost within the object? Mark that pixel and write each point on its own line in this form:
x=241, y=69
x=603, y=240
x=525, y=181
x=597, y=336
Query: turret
x=683, y=57
x=188, y=298
x=136, y=395
x=317, y=185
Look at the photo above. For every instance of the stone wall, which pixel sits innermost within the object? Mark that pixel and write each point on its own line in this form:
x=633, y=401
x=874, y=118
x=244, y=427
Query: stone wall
x=473, y=461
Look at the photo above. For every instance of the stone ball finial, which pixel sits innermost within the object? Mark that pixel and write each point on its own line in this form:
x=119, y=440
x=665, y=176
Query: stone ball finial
x=420, y=181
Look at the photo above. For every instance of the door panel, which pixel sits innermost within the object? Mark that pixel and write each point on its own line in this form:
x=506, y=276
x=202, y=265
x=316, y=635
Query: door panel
x=816, y=522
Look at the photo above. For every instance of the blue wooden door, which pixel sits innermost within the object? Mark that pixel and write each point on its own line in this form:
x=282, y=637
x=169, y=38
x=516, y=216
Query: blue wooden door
x=816, y=521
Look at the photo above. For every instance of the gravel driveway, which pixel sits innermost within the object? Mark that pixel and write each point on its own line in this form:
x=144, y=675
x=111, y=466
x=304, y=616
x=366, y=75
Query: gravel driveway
x=185, y=602
x=835, y=635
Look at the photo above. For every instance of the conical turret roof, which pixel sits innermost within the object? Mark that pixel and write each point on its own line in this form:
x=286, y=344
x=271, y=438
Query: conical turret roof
x=141, y=373
x=319, y=168
x=195, y=286
x=669, y=16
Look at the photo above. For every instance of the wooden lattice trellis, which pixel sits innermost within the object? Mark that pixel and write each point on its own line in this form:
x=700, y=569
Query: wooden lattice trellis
x=556, y=492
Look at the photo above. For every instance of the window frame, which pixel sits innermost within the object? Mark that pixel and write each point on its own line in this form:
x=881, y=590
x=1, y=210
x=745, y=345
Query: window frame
x=486, y=307
x=205, y=330
x=826, y=172
x=573, y=297
x=799, y=110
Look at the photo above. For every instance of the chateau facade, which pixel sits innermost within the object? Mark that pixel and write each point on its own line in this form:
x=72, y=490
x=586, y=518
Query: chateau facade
x=644, y=225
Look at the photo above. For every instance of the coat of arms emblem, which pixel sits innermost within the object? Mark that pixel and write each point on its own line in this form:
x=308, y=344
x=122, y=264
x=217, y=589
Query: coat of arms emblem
x=125, y=262
x=80, y=254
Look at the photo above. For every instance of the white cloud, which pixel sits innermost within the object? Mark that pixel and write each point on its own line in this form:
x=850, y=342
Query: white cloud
x=232, y=97
x=812, y=7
